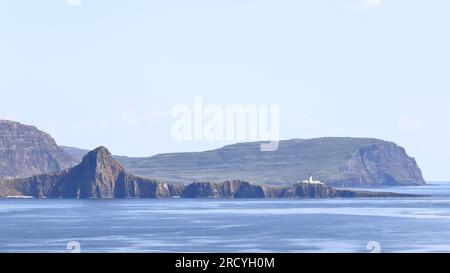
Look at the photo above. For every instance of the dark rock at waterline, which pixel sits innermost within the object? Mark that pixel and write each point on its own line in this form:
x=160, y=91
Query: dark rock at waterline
x=240, y=189
x=99, y=175
x=371, y=194
x=228, y=189
x=349, y=162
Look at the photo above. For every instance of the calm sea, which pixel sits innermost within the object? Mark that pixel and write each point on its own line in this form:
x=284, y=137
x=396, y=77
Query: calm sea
x=397, y=225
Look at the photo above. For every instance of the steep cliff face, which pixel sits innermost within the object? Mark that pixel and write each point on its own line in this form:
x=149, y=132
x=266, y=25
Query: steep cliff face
x=97, y=176
x=384, y=164
x=355, y=162
x=240, y=189
x=111, y=181
x=100, y=176
x=26, y=151
x=307, y=191
x=228, y=189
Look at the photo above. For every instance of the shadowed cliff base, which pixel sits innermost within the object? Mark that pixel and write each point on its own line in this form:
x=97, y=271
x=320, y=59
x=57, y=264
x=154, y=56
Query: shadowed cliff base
x=339, y=162
x=99, y=175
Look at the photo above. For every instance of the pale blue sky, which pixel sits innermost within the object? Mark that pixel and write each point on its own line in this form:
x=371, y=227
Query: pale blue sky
x=109, y=72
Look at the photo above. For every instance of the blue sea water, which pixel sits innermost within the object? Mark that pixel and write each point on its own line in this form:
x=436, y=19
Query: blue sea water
x=180, y=225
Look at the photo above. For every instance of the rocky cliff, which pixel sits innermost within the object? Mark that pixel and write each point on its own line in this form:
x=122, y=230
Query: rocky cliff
x=228, y=189
x=100, y=176
x=381, y=163
x=26, y=151
x=305, y=190
x=355, y=162
x=97, y=176
x=239, y=189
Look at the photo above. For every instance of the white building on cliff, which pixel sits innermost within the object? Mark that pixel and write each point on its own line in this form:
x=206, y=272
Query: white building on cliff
x=312, y=181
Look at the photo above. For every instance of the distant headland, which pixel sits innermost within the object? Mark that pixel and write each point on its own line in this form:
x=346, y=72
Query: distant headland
x=32, y=164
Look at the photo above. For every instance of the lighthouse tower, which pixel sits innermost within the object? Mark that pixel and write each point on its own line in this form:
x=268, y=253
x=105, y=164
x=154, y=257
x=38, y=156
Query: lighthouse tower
x=312, y=181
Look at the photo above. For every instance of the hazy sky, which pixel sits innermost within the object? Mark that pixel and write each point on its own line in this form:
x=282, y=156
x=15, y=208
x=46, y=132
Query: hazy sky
x=109, y=72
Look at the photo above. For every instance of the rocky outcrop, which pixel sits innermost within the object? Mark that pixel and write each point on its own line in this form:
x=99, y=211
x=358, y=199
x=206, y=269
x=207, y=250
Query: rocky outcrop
x=26, y=151
x=385, y=164
x=240, y=189
x=370, y=194
x=228, y=189
x=97, y=176
x=307, y=191
x=349, y=162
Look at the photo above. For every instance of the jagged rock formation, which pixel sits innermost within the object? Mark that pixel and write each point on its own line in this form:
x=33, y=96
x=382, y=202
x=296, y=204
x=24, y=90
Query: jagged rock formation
x=385, y=164
x=26, y=151
x=305, y=190
x=239, y=189
x=100, y=176
x=349, y=162
x=97, y=176
x=228, y=189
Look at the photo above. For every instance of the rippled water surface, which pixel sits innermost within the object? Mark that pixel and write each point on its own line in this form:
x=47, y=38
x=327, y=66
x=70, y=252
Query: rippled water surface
x=338, y=225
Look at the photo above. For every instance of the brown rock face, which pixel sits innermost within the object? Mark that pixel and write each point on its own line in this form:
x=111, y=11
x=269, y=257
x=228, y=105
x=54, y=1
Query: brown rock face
x=385, y=164
x=305, y=190
x=227, y=190
x=100, y=176
x=26, y=151
x=97, y=176
x=239, y=189
x=350, y=162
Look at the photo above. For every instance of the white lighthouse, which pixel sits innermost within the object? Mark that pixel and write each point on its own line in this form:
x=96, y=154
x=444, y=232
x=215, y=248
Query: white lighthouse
x=312, y=181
